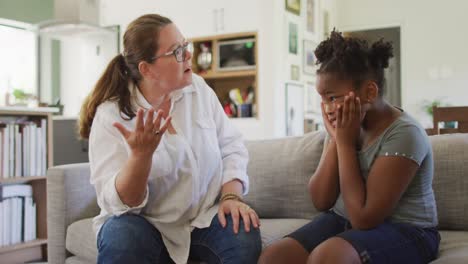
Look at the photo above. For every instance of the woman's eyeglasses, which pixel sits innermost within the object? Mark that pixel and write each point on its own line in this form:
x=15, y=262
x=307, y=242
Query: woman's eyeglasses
x=180, y=53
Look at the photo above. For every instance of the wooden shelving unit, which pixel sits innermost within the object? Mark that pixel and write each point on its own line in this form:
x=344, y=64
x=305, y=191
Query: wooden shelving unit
x=35, y=250
x=224, y=75
x=27, y=179
x=26, y=245
x=222, y=81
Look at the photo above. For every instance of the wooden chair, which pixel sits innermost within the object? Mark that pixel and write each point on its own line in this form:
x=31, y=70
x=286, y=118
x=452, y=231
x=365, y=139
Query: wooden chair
x=458, y=114
x=431, y=131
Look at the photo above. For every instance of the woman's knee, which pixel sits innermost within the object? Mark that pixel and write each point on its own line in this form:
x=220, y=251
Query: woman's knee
x=326, y=252
x=128, y=232
x=243, y=246
x=249, y=245
x=252, y=238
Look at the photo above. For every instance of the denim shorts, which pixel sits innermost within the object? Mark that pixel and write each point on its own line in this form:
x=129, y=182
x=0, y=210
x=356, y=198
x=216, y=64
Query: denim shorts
x=386, y=243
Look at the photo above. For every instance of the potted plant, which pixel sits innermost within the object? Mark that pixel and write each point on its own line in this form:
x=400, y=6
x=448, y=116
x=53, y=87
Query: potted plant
x=21, y=98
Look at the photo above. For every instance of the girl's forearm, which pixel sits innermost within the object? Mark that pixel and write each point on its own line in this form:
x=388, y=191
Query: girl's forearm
x=324, y=184
x=352, y=185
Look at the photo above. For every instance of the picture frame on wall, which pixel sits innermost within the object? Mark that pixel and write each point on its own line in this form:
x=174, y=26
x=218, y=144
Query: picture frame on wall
x=309, y=59
x=310, y=16
x=293, y=6
x=295, y=73
x=294, y=109
x=292, y=37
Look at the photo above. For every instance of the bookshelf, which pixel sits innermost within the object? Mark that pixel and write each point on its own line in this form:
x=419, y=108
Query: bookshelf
x=34, y=250
x=222, y=80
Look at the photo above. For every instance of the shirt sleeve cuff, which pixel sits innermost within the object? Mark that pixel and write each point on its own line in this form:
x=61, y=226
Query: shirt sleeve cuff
x=116, y=205
x=237, y=175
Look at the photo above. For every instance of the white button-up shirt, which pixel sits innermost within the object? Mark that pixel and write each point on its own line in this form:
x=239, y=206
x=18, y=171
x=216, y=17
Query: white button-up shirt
x=188, y=168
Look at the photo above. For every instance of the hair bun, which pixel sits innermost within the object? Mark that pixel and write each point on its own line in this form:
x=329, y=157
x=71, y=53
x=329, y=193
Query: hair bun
x=330, y=47
x=380, y=53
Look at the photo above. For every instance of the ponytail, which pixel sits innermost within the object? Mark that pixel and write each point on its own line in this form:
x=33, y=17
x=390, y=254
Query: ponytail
x=113, y=86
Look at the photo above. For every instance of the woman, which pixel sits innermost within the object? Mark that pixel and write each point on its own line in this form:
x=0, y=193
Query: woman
x=161, y=153
x=374, y=180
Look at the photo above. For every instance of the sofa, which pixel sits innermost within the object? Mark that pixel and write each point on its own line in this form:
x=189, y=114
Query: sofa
x=279, y=171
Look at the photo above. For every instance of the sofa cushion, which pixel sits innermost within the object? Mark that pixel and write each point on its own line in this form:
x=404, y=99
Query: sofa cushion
x=279, y=170
x=274, y=229
x=78, y=260
x=81, y=241
x=451, y=180
x=453, y=248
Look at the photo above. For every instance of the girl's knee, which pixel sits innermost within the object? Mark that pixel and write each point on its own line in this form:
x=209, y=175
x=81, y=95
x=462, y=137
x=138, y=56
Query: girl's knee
x=326, y=252
x=285, y=250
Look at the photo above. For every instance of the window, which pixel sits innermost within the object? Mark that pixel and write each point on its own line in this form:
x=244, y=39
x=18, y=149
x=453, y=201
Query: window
x=18, y=63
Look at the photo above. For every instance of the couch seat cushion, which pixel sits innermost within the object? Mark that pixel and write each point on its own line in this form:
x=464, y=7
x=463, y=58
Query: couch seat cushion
x=453, y=248
x=274, y=229
x=81, y=240
x=78, y=260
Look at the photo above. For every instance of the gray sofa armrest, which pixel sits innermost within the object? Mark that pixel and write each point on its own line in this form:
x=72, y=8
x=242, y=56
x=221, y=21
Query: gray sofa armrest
x=70, y=197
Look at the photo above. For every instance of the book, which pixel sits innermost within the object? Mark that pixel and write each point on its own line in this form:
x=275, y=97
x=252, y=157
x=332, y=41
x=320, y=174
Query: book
x=17, y=214
x=15, y=190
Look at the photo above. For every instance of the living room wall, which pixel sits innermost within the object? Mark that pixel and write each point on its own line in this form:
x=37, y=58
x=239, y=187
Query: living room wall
x=261, y=17
x=29, y=11
x=268, y=18
x=434, y=60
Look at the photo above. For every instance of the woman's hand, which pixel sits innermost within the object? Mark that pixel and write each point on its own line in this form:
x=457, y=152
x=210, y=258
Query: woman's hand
x=236, y=209
x=348, y=125
x=144, y=140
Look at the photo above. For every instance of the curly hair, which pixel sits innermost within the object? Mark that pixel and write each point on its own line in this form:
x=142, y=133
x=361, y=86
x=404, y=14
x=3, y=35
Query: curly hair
x=351, y=58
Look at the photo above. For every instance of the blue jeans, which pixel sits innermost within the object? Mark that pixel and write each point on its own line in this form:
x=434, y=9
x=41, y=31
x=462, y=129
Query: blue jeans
x=386, y=243
x=131, y=238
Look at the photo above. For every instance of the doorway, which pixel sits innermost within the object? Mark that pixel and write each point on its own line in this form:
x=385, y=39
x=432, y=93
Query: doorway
x=393, y=72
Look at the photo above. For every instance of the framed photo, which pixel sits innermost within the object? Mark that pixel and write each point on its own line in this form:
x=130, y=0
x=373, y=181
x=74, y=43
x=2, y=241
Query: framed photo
x=310, y=16
x=294, y=109
x=309, y=57
x=293, y=6
x=292, y=38
x=295, y=73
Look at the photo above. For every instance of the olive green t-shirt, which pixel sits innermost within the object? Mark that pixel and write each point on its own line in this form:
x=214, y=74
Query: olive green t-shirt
x=404, y=138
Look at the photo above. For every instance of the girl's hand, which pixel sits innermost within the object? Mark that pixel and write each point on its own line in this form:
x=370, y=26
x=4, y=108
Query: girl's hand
x=348, y=125
x=144, y=140
x=236, y=209
x=328, y=126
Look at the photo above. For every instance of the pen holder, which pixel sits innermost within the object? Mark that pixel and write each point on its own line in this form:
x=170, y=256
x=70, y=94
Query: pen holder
x=244, y=110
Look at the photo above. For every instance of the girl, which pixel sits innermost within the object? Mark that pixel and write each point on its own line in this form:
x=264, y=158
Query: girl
x=374, y=181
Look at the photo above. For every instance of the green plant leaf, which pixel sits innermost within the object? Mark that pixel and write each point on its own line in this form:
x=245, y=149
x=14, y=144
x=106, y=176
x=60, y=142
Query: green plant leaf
x=19, y=94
